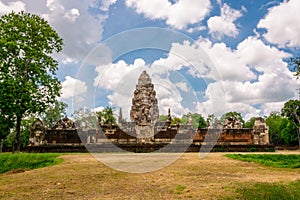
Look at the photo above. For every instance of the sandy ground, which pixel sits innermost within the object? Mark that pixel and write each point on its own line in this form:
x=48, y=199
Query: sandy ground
x=81, y=176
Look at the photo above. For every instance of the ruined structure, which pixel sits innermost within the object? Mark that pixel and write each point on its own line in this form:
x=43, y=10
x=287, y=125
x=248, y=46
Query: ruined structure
x=260, y=131
x=144, y=110
x=232, y=122
x=63, y=132
x=146, y=132
x=37, y=133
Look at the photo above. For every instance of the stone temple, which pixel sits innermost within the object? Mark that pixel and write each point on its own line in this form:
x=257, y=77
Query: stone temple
x=145, y=133
x=144, y=110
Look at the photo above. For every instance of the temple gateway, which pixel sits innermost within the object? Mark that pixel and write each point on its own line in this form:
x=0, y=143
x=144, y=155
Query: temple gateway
x=145, y=132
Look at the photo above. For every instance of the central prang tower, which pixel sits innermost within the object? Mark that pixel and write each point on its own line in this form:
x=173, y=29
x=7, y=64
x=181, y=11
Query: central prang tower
x=144, y=110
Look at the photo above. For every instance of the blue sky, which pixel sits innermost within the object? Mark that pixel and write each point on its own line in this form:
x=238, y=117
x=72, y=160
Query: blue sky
x=204, y=56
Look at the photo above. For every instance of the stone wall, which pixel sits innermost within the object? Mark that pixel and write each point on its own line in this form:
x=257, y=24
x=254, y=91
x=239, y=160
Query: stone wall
x=163, y=133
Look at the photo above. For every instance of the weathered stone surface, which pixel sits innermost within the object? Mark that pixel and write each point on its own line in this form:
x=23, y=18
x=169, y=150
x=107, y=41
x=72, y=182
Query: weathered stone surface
x=64, y=123
x=261, y=132
x=232, y=122
x=37, y=133
x=144, y=109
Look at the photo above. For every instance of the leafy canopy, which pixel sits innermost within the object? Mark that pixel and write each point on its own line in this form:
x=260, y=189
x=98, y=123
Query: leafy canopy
x=26, y=67
x=27, y=70
x=234, y=115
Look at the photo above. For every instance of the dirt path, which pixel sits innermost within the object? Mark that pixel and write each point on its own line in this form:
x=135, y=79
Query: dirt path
x=80, y=176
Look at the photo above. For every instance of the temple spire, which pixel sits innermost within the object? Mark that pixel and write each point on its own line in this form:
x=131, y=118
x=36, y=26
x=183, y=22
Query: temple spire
x=144, y=109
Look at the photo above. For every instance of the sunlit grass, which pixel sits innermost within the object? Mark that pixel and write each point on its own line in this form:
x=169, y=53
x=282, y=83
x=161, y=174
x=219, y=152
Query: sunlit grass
x=280, y=191
x=273, y=160
x=10, y=161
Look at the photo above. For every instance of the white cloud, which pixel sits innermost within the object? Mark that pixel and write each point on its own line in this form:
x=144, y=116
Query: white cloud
x=105, y=4
x=224, y=24
x=76, y=25
x=274, y=82
x=98, y=109
x=110, y=75
x=183, y=55
x=72, y=14
x=72, y=87
x=79, y=28
x=182, y=86
x=178, y=15
x=282, y=24
x=16, y=6
x=263, y=58
x=228, y=64
x=267, y=108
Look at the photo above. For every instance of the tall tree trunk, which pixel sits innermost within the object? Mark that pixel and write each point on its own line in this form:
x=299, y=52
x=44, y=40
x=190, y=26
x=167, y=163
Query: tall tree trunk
x=298, y=128
x=17, y=144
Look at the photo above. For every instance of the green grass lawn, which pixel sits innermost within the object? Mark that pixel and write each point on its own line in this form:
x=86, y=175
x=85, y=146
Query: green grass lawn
x=273, y=160
x=10, y=161
x=280, y=191
x=274, y=191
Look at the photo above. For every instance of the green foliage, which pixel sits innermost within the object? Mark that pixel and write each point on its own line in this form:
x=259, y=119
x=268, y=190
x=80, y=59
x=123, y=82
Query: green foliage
x=234, y=115
x=6, y=123
x=273, y=160
x=54, y=113
x=252, y=149
x=27, y=70
x=276, y=191
x=213, y=121
x=24, y=135
x=163, y=118
x=10, y=162
x=107, y=116
x=281, y=130
x=25, y=130
x=289, y=135
x=85, y=118
x=176, y=120
x=250, y=123
x=295, y=65
x=291, y=110
x=198, y=120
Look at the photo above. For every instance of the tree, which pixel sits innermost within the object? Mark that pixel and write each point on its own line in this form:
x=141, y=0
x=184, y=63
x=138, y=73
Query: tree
x=163, y=118
x=250, y=123
x=291, y=110
x=295, y=65
x=175, y=120
x=107, y=116
x=27, y=71
x=276, y=124
x=198, y=120
x=54, y=113
x=234, y=115
x=213, y=121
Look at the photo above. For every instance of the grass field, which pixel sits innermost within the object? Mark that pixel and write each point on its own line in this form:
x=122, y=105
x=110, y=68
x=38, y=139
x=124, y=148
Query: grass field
x=24, y=161
x=274, y=191
x=273, y=160
x=216, y=176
